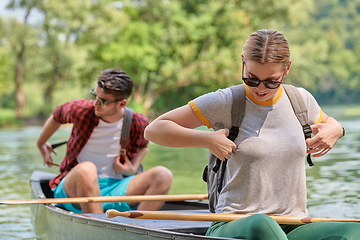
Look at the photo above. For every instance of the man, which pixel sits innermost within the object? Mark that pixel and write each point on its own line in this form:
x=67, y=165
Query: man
x=92, y=164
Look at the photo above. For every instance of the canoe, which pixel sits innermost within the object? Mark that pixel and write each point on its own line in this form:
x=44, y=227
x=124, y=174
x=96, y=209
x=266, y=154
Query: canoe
x=52, y=222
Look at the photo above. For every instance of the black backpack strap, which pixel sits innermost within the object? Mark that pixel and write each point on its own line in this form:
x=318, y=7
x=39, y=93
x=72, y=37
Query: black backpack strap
x=125, y=133
x=300, y=109
x=237, y=114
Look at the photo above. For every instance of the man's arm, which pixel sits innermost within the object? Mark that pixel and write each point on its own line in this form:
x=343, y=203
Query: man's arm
x=326, y=135
x=49, y=128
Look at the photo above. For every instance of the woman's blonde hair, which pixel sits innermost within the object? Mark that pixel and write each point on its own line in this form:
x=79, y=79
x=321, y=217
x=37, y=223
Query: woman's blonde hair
x=267, y=46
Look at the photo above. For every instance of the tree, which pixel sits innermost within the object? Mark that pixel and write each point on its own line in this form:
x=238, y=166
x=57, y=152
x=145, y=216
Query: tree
x=324, y=50
x=18, y=35
x=6, y=62
x=171, y=44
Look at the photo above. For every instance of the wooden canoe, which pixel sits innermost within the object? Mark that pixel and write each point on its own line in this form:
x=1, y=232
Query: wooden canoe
x=52, y=222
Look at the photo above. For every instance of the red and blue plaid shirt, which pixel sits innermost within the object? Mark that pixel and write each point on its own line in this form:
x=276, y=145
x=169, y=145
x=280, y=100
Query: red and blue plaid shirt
x=82, y=115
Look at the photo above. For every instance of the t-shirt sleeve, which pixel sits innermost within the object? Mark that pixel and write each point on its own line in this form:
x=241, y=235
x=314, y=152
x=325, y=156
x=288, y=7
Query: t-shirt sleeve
x=214, y=109
x=62, y=114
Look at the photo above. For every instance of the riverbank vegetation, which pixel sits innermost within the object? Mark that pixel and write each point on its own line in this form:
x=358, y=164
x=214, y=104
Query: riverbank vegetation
x=173, y=50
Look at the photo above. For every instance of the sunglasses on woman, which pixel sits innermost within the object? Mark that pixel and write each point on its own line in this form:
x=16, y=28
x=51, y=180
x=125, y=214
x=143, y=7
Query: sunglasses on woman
x=102, y=101
x=254, y=82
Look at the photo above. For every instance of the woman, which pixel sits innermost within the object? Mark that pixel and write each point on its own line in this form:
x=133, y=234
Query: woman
x=265, y=172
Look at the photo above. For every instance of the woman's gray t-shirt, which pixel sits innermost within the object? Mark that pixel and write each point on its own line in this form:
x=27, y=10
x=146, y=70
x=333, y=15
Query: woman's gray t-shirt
x=266, y=173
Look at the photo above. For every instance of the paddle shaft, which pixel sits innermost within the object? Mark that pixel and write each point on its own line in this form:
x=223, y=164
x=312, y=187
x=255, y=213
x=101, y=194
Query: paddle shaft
x=215, y=217
x=55, y=145
x=135, y=198
x=54, y=164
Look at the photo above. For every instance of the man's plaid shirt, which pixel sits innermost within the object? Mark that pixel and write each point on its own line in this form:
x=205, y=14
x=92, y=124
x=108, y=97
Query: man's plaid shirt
x=82, y=115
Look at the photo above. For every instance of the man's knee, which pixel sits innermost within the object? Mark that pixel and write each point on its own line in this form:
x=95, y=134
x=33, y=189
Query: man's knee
x=161, y=177
x=163, y=174
x=84, y=170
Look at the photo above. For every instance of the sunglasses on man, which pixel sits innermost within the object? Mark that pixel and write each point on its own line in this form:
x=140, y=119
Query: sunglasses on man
x=254, y=82
x=102, y=101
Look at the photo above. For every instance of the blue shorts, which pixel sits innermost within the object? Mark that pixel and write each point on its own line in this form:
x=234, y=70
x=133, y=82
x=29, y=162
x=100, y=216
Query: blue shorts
x=108, y=187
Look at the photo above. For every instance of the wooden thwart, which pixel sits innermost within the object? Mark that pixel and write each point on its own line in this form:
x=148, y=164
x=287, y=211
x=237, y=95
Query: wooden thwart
x=135, y=198
x=215, y=217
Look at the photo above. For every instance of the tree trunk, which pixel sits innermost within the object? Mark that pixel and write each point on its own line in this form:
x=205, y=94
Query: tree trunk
x=19, y=72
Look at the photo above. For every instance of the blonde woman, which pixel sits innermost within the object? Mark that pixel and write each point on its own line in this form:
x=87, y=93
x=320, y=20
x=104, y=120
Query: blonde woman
x=265, y=171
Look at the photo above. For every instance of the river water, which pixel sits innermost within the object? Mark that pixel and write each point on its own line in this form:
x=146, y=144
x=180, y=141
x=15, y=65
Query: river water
x=333, y=183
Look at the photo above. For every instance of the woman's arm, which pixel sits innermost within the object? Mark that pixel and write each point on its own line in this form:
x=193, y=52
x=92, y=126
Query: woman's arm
x=176, y=129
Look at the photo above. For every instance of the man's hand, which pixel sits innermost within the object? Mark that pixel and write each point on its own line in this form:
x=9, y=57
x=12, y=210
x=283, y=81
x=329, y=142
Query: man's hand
x=46, y=150
x=125, y=168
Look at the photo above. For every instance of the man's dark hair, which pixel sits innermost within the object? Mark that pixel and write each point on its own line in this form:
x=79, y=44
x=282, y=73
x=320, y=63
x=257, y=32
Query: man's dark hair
x=116, y=82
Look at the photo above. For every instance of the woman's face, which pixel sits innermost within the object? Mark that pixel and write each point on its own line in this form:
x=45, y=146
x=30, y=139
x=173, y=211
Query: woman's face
x=266, y=71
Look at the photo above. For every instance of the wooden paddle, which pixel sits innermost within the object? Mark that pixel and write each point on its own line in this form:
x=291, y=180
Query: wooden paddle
x=54, y=164
x=55, y=145
x=134, y=198
x=215, y=217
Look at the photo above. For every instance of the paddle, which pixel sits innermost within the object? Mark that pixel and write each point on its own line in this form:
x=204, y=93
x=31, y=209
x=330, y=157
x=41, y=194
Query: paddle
x=55, y=145
x=134, y=198
x=54, y=164
x=215, y=217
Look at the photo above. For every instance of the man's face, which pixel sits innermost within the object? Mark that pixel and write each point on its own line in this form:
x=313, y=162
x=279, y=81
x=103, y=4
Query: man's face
x=105, y=104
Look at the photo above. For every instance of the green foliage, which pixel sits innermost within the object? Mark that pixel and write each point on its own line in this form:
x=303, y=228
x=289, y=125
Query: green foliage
x=7, y=117
x=168, y=45
x=173, y=50
x=6, y=71
x=325, y=59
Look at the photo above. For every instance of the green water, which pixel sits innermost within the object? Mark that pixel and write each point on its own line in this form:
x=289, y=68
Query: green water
x=333, y=183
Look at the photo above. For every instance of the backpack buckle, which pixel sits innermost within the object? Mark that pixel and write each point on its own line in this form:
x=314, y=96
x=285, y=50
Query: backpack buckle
x=307, y=131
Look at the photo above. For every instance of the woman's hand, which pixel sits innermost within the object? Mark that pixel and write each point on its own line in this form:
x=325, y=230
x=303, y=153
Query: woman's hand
x=220, y=145
x=326, y=135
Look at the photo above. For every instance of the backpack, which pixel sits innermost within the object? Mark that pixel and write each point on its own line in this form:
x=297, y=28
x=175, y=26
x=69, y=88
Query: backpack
x=124, y=138
x=214, y=171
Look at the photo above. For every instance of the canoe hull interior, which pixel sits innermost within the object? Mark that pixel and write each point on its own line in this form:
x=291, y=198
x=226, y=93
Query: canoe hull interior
x=52, y=222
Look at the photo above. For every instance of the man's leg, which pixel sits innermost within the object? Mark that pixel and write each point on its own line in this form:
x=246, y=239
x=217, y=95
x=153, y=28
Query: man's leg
x=155, y=181
x=82, y=181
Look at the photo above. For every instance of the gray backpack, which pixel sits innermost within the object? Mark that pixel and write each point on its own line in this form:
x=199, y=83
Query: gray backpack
x=214, y=172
